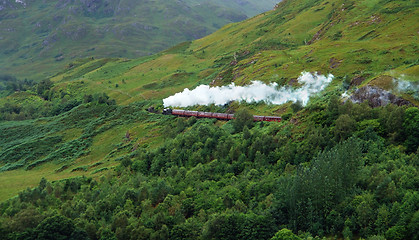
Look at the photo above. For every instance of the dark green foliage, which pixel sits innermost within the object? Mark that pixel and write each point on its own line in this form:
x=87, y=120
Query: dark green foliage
x=56, y=227
x=337, y=36
x=411, y=128
x=285, y=234
x=11, y=84
x=224, y=227
x=238, y=226
x=297, y=106
x=413, y=226
x=242, y=118
x=396, y=233
x=43, y=88
x=333, y=108
x=205, y=182
x=344, y=128
x=316, y=190
x=44, y=100
x=186, y=231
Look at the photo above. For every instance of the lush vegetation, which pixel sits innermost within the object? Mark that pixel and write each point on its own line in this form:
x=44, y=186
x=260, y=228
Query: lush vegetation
x=28, y=100
x=43, y=100
x=350, y=172
x=80, y=157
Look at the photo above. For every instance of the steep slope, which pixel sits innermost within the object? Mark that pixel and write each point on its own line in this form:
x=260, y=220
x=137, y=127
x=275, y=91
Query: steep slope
x=356, y=42
x=39, y=37
x=363, y=42
x=102, y=163
x=248, y=7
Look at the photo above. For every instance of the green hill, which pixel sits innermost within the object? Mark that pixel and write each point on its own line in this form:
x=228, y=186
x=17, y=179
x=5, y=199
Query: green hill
x=273, y=47
x=331, y=169
x=39, y=37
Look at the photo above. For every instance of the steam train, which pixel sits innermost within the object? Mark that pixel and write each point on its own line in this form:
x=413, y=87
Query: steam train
x=220, y=116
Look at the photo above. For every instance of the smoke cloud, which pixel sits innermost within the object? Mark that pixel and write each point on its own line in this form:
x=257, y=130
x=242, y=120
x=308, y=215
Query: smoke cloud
x=255, y=92
x=406, y=86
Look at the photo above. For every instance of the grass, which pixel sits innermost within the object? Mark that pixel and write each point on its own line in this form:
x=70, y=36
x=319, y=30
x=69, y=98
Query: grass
x=271, y=47
x=12, y=182
x=275, y=43
x=108, y=144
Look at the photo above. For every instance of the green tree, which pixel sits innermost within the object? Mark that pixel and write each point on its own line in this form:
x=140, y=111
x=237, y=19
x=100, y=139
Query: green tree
x=43, y=184
x=413, y=226
x=394, y=124
x=242, y=118
x=317, y=189
x=285, y=234
x=25, y=219
x=186, y=231
x=344, y=128
x=297, y=106
x=43, y=87
x=396, y=233
x=58, y=227
x=411, y=128
x=333, y=108
x=188, y=207
x=257, y=227
x=106, y=234
x=224, y=227
x=383, y=219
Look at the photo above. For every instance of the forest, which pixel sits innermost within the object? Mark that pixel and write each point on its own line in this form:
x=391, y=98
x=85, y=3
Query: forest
x=330, y=170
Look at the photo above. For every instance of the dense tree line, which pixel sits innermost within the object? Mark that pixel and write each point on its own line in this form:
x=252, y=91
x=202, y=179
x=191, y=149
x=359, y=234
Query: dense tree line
x=11, y=84
x=346, y=171
x=42, y=99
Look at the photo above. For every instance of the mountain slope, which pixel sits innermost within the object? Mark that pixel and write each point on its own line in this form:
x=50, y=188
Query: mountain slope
x=102, y=163
x=39, y=37
x=353, y=41
x=359, y=43
x=356, y=42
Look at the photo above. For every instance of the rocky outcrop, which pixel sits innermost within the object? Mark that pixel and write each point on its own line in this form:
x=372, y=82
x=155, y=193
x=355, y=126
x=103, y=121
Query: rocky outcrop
x=377, y=97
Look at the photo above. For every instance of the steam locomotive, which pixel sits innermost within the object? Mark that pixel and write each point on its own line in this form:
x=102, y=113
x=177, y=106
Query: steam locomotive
x=220, y=116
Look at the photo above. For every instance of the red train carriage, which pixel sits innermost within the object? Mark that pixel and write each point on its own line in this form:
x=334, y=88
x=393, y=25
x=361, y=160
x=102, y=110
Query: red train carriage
x=221, y=116
x=272, y=119
x=257, y=118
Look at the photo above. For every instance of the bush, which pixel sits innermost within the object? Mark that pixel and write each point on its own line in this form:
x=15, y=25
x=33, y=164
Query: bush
x=344, y=128
x=242, y=118
x=396, y=233
x=285, y=234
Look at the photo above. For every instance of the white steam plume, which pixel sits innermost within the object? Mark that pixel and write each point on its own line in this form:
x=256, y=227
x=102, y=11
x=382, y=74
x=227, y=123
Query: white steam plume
x=406, y=86
x=255, y=92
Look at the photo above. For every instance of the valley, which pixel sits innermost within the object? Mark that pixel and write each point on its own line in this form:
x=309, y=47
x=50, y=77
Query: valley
x=89, y=147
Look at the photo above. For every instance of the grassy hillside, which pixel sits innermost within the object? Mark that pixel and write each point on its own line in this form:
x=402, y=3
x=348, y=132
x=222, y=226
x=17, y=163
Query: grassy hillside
x=330, y=169
x=38, y=38
x=356, y=42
